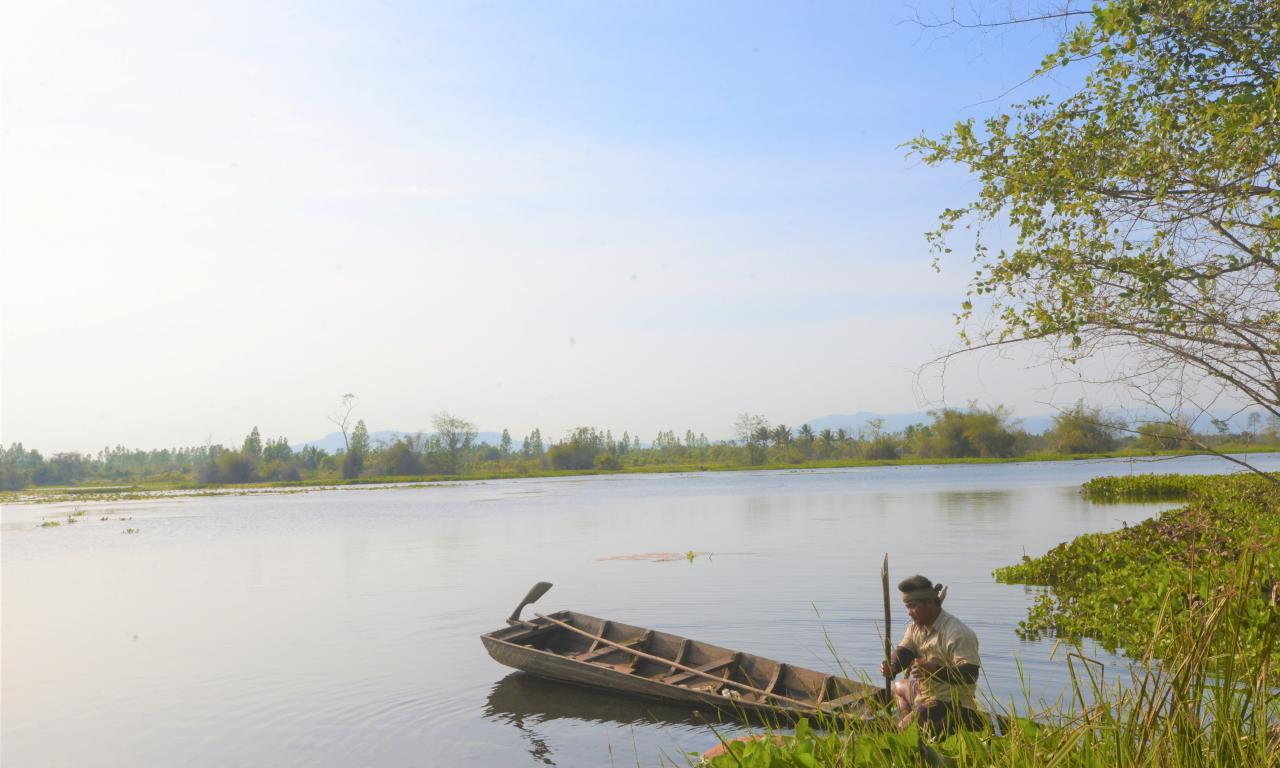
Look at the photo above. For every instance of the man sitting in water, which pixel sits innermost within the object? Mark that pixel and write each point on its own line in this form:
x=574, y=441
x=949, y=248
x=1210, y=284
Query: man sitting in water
x=942, y=654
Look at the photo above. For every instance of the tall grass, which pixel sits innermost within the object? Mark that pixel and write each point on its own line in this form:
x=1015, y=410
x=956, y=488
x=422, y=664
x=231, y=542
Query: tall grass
x=1191, y=596
x=1187, y=708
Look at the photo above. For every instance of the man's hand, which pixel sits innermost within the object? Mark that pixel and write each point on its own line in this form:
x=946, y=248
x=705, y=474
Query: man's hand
x=885, y=669
x=923, y=669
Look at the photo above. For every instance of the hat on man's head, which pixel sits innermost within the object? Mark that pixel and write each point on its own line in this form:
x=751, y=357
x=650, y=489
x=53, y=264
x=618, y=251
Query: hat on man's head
x=918, y=589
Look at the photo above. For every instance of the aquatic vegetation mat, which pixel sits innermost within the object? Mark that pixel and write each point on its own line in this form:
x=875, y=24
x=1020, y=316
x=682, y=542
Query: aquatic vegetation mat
x=1112, y=586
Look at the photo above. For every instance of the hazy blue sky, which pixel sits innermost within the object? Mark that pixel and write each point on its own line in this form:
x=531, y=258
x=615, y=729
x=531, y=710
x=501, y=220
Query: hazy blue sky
x=637, y=216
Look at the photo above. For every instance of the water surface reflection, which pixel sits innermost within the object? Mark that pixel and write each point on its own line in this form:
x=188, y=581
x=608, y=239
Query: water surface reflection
x=341, y=627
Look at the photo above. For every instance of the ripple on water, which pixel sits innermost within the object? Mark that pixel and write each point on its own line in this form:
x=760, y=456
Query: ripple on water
x=339, y=628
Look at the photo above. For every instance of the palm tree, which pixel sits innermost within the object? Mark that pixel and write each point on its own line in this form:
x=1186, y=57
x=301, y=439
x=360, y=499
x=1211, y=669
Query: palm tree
x=781, y=435
x=806, y=437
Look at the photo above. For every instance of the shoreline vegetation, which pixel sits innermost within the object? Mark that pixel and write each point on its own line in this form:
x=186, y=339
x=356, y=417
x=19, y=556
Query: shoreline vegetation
x=452, y=453
x=1190, y=595
x=1160, y=487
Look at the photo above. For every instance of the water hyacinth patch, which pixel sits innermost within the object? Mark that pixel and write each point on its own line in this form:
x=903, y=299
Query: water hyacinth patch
x=1111, y=586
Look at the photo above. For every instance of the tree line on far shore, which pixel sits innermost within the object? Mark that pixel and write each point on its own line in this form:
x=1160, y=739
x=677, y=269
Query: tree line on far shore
x=453, y=449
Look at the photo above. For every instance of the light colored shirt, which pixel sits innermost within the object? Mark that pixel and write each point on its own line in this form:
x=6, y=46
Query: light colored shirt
x=948, y=643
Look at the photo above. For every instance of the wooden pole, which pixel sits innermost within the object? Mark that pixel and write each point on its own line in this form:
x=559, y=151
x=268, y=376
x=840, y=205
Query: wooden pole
x=888, y=647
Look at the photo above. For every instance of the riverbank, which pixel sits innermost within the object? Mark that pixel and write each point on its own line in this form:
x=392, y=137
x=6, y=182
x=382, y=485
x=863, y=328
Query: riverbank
x=1111, y=586
x=315, y=608
x=142, y=490
x=1191, y=595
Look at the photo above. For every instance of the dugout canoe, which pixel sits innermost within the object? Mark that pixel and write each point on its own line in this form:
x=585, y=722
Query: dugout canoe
x=586, y=650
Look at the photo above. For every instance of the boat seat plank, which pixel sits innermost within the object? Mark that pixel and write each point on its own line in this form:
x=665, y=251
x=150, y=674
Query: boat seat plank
x=773, y=681
x=680, y=652
x=604, y=630
x=643, y=645
x=712, y=666
x=824, y=689
x=638, y=641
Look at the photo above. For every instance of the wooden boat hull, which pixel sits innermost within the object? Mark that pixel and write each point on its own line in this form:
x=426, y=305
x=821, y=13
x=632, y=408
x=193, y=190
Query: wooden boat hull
x=586, y=650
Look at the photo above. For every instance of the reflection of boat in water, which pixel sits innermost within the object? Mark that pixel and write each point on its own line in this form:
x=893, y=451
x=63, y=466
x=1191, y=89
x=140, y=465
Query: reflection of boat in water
x=520, y=698
x=577, y=648
x=527, y=701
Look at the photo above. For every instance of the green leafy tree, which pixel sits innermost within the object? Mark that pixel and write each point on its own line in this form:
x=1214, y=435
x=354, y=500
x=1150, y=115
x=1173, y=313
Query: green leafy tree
x=17, y=465
x=277, y=450
x=456, y=435
x=608, y=460
x=1165, y=435
x=400, y=459
x=882, y=447
x=1080, y=429
x=504, y=445
x=533, y=447
x=1143, y=206
x=236, y=467
x=62, y=469
x=579, y=450
x=969, y=434
x=311, y=457
x=252, y=448
x=357, y=452
x=206, y=465
x=666, y=442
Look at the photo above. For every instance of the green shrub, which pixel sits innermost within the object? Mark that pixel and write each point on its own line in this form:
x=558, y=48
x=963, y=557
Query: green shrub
x=1147, y=487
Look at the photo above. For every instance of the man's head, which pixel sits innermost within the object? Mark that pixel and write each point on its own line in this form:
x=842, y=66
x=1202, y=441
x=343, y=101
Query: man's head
x=922, y=599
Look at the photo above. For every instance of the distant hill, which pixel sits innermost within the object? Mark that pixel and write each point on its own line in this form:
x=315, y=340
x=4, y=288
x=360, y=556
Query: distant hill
x=332, y=442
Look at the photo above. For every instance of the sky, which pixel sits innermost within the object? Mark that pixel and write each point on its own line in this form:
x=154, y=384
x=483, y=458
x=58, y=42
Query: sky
x=635, y=216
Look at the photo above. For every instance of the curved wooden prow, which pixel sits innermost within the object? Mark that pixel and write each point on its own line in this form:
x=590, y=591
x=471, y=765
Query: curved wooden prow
x=536, y=592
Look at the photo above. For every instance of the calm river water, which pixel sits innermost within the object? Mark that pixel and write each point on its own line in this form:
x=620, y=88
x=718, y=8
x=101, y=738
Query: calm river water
x=341, y=627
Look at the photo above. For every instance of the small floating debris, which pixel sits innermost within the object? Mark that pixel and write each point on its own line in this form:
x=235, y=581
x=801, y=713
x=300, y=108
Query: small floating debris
x=671, y=557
